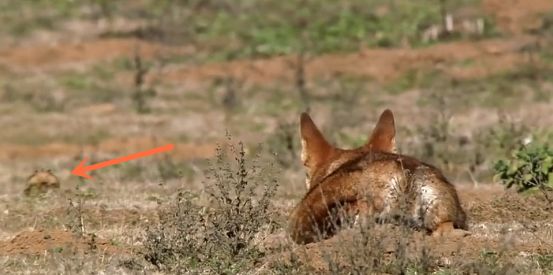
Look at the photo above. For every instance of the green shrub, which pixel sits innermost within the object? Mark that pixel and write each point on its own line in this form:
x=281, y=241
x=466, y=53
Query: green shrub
x=530, y=168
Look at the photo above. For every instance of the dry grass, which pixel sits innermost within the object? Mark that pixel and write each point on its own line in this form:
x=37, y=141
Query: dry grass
x=222, y=236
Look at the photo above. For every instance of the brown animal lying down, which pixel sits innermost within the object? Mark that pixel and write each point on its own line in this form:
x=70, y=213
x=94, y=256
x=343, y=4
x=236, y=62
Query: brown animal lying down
x=40, y=182
x=371, y=181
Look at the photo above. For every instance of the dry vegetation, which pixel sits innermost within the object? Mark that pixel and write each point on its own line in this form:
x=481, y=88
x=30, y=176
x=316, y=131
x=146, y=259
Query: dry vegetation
x=108, y=78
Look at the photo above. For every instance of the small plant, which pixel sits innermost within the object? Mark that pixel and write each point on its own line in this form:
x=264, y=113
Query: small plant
x=221, y=237
x=437, y=146
x=530, y=168
x=230, y=100
x=75, y=220
x=168, y=168
x=141, y=94
x=300, y=80
x=374, y=248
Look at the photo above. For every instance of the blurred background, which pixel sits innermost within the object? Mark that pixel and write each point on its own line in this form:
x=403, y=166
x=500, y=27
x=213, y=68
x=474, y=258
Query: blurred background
x=468, y=80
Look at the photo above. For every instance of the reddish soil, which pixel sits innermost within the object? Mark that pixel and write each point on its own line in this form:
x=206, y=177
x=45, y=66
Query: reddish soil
x=80, y=53
x=41, y=241
x=517, y=16
x=442, y=250
x=494, y=56
x=511, y=207
x=383, y=240
x=491, y=56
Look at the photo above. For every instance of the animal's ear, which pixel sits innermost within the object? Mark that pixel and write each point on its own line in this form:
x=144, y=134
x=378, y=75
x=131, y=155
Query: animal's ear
x=383, y=137
x=315, y=149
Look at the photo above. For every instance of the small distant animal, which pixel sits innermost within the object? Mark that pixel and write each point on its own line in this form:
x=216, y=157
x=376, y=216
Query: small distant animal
x=370, y=181
x=40, y=182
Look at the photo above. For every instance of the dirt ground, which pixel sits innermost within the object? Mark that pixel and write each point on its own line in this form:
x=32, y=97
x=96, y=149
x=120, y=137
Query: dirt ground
x=120, y=202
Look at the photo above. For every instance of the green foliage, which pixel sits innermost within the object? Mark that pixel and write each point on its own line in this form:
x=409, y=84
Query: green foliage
x=337, y=27
x=234, y=29
x=362, y=254
x=27, y=16
x=530, y=167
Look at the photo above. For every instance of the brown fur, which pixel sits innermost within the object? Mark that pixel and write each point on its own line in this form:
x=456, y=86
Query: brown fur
x=376, y=183
x=41, y=181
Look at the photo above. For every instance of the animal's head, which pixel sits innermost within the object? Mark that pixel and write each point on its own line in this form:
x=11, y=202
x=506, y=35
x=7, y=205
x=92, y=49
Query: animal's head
x=43, y=178
x=320, y=158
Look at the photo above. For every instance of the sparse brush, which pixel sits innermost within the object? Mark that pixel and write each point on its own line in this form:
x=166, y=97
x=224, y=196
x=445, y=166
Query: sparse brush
x=222, y=237
x=282, y=144
x=347, y=111
x=438, y=133
x=462, y=155
x=506, y=136
x=168, y=169
x=74, y=218
x=491, y=262
x=172, y=244
x=495, y=142
x=141, y=94
x=439, y=145
x=230, y=100
x=43, y=101
x=374, y=248
x=300, y=80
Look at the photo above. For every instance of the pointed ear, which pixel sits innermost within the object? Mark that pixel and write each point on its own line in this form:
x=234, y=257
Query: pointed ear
x=315, y=148
x=383, y=137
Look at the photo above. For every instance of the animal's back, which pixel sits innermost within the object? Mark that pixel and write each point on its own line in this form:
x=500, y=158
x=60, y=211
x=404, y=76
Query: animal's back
x=389, y=183
x=438, y=200
x=417, y=186
x=354, y=180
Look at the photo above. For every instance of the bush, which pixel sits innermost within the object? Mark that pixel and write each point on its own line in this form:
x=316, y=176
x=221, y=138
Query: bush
x=223, y=236
x=530, y=168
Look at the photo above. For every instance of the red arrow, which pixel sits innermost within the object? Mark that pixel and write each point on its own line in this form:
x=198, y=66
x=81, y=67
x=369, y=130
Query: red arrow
x=81, y=170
